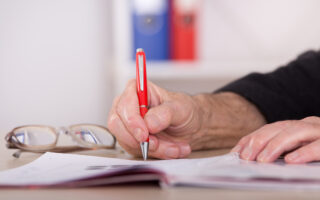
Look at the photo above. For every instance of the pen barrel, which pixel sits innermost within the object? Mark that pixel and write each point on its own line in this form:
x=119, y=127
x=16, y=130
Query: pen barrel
x=143, y=98
x=143, y=102
x=143, y=111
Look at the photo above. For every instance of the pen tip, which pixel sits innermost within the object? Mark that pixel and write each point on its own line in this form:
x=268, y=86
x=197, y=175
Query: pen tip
x=144, y=149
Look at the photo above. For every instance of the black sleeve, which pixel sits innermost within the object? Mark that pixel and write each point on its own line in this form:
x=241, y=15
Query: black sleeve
x=290, y=92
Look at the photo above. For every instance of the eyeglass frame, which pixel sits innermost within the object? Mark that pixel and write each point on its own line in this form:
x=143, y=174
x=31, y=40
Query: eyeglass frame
x=82, y=146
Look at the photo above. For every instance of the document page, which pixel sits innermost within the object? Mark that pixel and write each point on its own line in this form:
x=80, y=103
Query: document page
x=229, y=170
x=55, y=168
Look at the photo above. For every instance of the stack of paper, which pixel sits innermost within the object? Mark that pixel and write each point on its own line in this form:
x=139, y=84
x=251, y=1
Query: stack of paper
x=69, y=170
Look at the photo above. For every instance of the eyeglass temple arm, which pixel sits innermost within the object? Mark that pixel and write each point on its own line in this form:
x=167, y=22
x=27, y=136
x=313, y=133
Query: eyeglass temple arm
x=60, y=149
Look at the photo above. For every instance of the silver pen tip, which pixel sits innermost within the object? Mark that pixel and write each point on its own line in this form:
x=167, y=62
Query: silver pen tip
x=144, y=149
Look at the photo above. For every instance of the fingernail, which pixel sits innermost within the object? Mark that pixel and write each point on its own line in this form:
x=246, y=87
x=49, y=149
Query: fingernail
x=246, y=154
x=294, y=156
x=172, y=152
x=153, y=121
x=236, y=149
x=138, y=134
x=263, y=156
x=185, y=150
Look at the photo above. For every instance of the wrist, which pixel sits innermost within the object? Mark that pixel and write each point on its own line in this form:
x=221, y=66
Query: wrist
x=224, y=118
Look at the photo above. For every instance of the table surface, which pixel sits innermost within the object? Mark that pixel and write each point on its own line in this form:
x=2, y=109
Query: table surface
x=135, y=191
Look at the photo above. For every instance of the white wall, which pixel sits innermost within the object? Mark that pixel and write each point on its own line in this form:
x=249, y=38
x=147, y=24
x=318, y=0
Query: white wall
x=55, y=57
x=258, y=29
x=54, y=62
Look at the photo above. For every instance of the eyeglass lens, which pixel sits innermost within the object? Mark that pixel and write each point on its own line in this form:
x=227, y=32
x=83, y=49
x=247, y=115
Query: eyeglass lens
x=36, y=136
x=93, y=135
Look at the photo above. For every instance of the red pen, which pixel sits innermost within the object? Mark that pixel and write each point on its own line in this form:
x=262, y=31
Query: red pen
x=142, y=91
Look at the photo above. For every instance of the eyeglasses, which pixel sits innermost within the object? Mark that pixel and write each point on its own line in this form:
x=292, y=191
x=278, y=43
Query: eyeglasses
x=39, y=138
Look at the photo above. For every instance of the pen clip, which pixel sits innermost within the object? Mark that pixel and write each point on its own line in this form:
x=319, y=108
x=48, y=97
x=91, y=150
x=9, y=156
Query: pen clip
x=141, y=71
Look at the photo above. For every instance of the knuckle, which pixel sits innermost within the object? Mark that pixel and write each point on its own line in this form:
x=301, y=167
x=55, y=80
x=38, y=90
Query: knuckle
x=312, y=119
x=299, y=128
x=304, y=126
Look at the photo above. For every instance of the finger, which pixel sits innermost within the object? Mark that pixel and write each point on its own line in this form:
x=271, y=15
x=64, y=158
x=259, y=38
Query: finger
x=161, y=149
x=308, y=153
x=258, y=140
x=171, y=114
x=245, y=140
x=117, y=128
x=247, y=143
x=240, y=145
x=156, y=95
x=129, y=112
x=112, y=115
x=160, y=117
x=289, y=138
x=165, y=149
x=121, y=133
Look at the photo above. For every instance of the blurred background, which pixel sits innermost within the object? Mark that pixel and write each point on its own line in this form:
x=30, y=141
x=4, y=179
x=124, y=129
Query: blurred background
x=62, y=62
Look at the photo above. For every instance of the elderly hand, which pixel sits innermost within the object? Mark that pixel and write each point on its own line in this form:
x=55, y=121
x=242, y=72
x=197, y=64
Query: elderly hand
x=179, y=123
x=299, y=137
x=172, y=121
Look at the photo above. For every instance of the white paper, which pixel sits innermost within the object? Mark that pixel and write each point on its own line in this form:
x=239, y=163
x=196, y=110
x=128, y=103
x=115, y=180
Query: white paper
x=221, y=171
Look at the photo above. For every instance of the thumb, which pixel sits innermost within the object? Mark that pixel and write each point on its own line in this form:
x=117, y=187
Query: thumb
x=169, y=113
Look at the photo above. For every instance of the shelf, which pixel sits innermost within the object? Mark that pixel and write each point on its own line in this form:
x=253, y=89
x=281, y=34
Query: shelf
x=168, y=70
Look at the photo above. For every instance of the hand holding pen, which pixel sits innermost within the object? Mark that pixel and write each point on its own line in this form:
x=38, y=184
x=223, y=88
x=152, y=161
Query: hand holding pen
x=167, y=121
x=177, y=122
x=130, y=128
